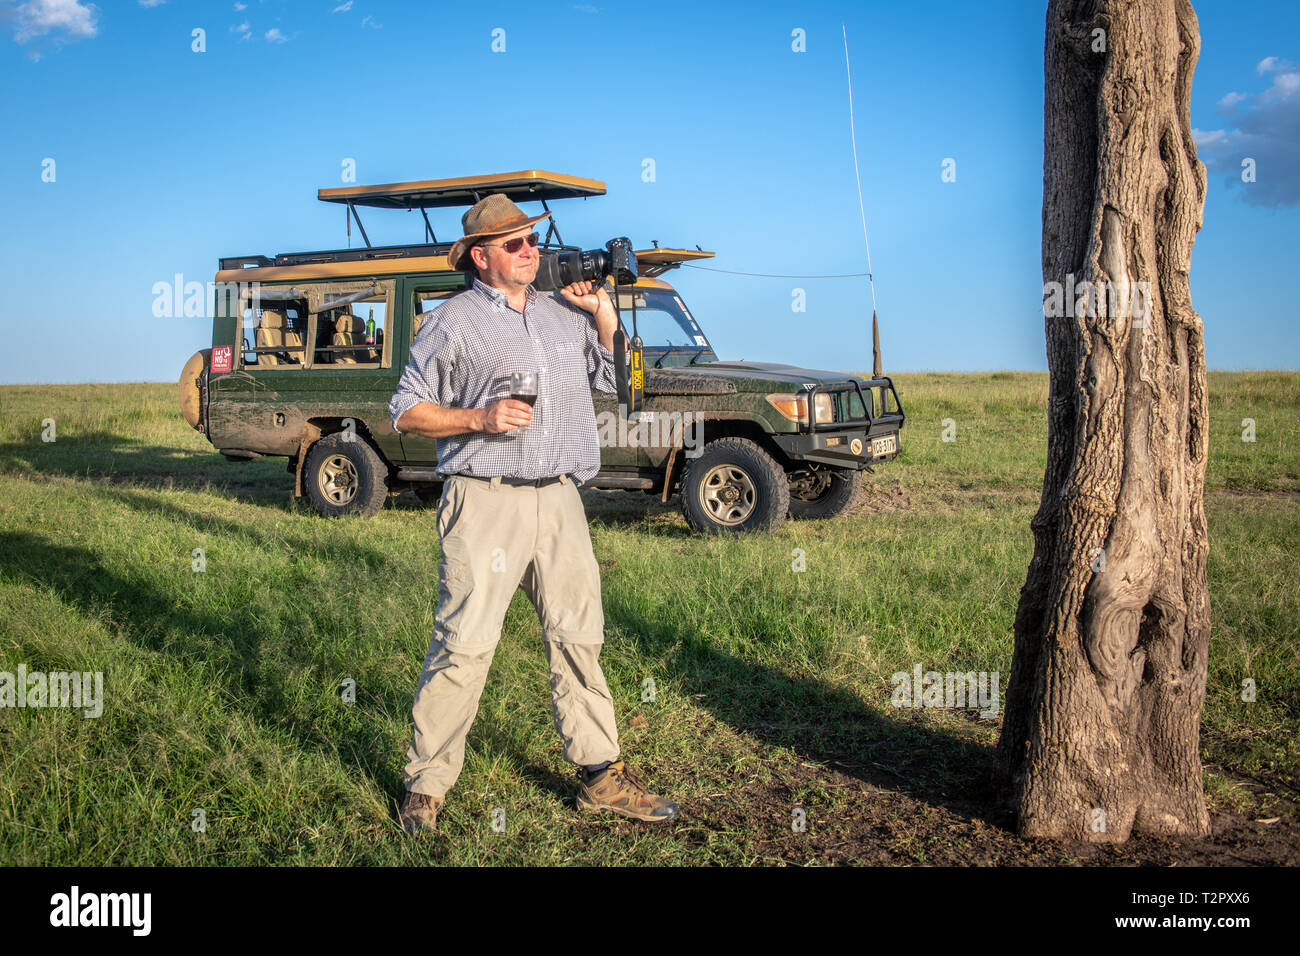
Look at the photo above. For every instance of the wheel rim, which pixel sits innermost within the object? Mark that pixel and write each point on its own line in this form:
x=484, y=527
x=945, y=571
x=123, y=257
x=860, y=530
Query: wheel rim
x=727, y=493
x=338, y=480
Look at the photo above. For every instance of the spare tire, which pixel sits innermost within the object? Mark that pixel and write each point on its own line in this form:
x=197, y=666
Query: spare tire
x=191, y=389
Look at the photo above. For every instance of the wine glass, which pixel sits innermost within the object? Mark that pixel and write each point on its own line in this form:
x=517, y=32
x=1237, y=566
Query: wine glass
x=523, y=388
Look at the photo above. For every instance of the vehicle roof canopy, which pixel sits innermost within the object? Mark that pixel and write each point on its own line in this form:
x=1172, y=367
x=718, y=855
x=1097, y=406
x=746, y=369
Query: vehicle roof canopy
x=530, y=185
x=657, y=261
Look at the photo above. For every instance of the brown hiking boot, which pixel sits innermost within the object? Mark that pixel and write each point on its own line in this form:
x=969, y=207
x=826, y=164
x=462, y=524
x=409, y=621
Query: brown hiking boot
x=618, y=790
x=419, y=811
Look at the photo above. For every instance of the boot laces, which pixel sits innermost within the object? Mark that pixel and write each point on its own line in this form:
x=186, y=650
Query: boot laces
x=627, y=774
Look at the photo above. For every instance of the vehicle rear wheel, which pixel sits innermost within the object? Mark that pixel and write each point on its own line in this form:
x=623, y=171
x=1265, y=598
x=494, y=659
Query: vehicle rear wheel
x=345, y=477
x=825, y=493
x=734, y=487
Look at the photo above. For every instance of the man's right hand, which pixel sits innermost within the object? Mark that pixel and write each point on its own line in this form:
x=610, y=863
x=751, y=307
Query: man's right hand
x=504, y=415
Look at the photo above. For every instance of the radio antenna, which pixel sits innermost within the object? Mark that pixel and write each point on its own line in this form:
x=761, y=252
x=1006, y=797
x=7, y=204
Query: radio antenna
x=871, y=281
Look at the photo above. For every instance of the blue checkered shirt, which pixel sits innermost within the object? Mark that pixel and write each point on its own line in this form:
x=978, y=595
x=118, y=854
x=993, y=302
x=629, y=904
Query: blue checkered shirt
x=463, y=357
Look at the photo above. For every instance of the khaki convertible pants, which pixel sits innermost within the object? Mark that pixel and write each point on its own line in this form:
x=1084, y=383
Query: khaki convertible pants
x=495, y=539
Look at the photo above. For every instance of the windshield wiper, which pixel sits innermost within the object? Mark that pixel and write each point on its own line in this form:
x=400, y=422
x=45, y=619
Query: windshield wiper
x=669, y=349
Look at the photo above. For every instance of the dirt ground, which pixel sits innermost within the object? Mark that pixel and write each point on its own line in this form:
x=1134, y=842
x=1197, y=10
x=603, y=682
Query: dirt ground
x=894, y=828
x=874, y=823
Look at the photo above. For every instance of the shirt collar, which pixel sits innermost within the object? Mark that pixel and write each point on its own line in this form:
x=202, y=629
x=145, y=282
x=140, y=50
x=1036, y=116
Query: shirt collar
x=499, y=298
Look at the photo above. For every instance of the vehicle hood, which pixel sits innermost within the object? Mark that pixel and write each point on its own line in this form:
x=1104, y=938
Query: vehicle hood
x=764, y=372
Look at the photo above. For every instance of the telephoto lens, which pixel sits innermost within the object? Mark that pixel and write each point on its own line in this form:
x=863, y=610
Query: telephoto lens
x=558, y=269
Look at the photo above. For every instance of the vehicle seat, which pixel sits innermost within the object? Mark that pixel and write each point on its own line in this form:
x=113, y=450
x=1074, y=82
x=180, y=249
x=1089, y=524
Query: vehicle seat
x=271, y=333
x=348, y=330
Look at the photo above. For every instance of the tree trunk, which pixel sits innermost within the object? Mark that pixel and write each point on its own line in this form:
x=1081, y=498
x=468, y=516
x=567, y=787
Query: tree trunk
x=1101, y=730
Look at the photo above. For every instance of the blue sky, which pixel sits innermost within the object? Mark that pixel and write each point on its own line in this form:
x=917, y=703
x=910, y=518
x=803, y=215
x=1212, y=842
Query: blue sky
x=166, y=159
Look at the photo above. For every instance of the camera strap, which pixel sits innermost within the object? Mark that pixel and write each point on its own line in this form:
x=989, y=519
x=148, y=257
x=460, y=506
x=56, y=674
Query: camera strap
x=630, y=378
x=636, y=378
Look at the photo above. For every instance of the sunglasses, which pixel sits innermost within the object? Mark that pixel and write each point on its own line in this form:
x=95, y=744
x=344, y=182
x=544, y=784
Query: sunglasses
x=514, y=245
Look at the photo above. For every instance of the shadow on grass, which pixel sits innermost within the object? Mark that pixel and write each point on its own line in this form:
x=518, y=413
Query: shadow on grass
x=252, y=669
x=824, y=724
x=635, y=511
x=118, y=458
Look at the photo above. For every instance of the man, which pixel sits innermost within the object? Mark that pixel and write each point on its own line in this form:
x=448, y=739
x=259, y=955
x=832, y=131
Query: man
x=510, y=513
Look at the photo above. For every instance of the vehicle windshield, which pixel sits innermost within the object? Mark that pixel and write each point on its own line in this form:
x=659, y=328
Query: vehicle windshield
x=662, y=320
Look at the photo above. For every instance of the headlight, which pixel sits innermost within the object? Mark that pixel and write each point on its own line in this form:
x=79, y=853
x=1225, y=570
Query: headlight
x=795, y=407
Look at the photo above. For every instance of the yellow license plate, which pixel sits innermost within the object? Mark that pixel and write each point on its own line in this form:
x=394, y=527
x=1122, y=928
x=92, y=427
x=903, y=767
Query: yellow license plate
x=885, y=445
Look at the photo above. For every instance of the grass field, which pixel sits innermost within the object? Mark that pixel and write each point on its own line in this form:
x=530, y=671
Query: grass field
x=772, y=687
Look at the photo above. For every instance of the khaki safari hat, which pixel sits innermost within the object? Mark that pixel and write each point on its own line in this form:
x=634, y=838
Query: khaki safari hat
x=493, y=215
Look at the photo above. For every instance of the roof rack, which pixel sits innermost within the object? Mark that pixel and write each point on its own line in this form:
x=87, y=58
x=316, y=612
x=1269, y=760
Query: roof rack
x=351, y=255
x=529, y=185
x=336, y=255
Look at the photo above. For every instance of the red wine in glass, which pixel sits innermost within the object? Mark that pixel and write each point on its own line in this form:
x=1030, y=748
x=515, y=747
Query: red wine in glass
x=523, y=387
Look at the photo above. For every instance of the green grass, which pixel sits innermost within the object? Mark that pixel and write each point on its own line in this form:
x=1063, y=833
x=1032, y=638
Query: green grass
x=222, y=687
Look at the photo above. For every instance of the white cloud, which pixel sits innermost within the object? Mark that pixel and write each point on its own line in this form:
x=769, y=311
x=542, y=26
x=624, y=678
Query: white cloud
x=244, y=30
x=240, y=7
x=343, y=7
x=1228, y=102
x=68, y=19
x=1264, y=127
x=369, y=21
x=1285, y=84
x=1209, y=138
x=274, y=35
x=152, y=3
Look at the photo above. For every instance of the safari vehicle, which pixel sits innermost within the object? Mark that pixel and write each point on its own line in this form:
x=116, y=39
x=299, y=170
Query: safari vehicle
x=307, y=349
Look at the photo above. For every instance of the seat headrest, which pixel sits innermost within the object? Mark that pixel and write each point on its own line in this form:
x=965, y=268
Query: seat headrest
x=348, y=323
x=271, y=319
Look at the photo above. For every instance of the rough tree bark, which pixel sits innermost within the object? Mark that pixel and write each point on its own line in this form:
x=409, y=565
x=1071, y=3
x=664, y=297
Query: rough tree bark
x=1101, y=730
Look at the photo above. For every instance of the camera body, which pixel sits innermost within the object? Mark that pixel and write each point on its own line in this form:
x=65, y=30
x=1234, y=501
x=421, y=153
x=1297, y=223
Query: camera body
x=616, y=261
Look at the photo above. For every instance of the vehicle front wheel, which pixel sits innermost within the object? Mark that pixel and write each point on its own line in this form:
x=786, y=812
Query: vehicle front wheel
x=345, y=477
x=734, y=487
x=825, y=493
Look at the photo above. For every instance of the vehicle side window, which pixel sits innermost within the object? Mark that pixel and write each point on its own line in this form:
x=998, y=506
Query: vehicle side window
x=271, y=334
x=352, y=334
